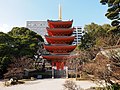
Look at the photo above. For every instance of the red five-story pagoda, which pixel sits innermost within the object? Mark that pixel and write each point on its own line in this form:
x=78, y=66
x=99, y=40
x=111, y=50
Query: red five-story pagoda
x=60, y=40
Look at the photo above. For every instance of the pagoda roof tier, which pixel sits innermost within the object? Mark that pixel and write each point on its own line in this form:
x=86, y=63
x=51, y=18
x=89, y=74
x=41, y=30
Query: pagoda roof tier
x=55, y=57
x=59, y=39
x=60, y=31
x=59, y=24
x=59, y=48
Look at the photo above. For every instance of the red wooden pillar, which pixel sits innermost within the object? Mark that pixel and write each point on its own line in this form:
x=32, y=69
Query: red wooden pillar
x=58, y=65
x=52, y=63
x=62, y=65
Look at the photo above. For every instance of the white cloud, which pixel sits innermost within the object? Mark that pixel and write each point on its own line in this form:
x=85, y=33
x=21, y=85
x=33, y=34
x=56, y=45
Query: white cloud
x=5, y=28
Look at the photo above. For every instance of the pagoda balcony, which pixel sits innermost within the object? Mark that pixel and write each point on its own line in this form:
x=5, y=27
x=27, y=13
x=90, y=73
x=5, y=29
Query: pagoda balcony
x=60, y=31
x=60, y=39
x=59, y=24
x=59, y=49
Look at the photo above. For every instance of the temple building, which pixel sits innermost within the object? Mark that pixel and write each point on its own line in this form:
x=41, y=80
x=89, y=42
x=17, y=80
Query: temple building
x=59, y=45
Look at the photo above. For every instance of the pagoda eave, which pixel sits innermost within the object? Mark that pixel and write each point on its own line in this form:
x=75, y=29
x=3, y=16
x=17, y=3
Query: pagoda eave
x=60, y=48
x=59, y=24
x=60, y=31
x=59, y=39
x=55, y=57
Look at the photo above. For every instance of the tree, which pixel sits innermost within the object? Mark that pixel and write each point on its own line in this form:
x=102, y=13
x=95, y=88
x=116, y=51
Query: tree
x=106, y=66
x=4, y=63
x=6, y=51
x=75, y=62
x=16, y=44
x=93, y=34
x=96, y=37
x=113, y=10
x=113, y=13
x=70, y=85
x=97, y=70
x=26, y=41
x=16, y=68
x=114, y=56
x=6, y=43
x=5, y=38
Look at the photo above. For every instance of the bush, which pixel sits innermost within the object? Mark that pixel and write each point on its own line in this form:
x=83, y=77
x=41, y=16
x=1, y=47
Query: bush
x=115, y=86
x=70, y=85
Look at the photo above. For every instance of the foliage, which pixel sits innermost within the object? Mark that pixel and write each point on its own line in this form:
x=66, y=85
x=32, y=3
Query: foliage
x=95, y=38
x=98, y=36
x=6, y=43
x=6, y=51
x=106, y=66
x=4, y=62
x=115, y=86
x=113, y=12
x=5, y=38
x=17, y=43
x=26, y=41
x=113, y=9
x=16, y=68
x=114, y=56
x=70, y=85
x=94, y=35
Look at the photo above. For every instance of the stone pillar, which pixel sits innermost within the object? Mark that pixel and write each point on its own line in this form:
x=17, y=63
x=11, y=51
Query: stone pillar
x=66, y=72
x=52, y=69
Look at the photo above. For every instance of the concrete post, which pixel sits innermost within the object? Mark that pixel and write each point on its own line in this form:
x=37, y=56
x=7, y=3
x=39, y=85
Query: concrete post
x=66, y=72
x=52, y=71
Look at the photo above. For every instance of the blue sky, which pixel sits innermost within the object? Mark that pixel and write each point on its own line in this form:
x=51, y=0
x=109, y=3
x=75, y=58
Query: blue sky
x=17, y=12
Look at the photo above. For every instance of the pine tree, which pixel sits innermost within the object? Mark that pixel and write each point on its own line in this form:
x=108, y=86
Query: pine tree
x=113, y=12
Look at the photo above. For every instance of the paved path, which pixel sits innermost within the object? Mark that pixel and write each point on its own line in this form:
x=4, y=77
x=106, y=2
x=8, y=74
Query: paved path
x=46, y=84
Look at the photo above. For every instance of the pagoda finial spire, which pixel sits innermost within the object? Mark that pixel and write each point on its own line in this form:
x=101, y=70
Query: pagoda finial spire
x=60, y=12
